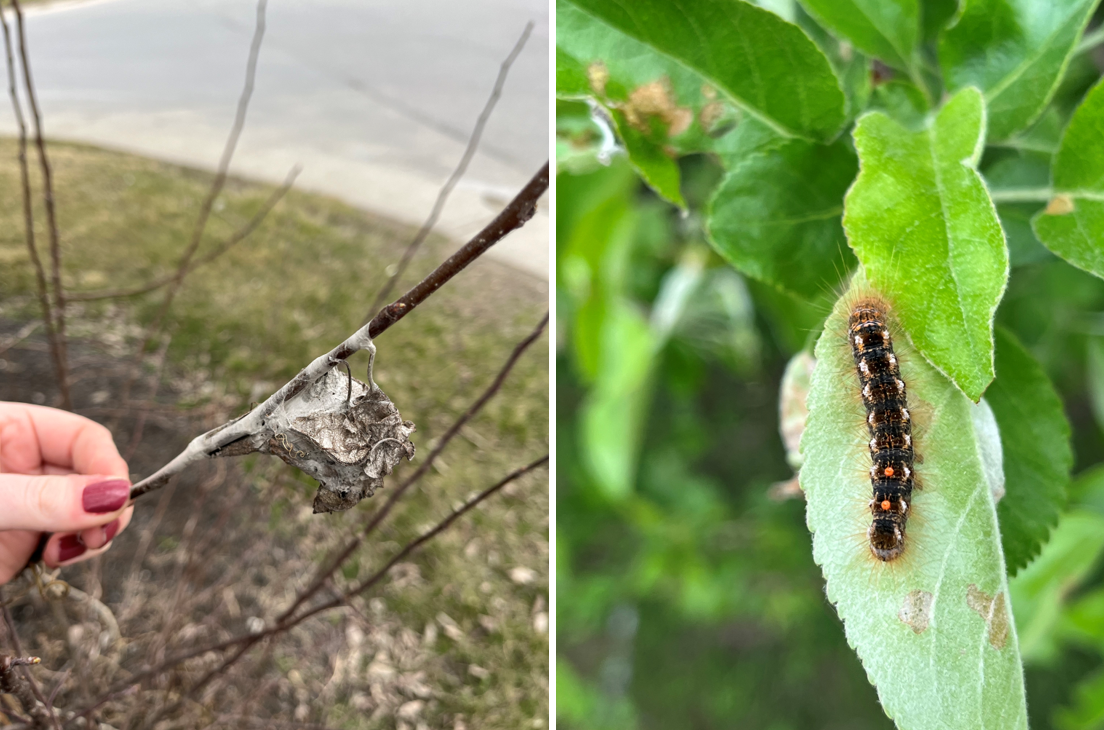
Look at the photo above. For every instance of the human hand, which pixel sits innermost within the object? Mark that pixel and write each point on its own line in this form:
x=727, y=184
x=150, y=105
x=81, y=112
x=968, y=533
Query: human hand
x=59, y=473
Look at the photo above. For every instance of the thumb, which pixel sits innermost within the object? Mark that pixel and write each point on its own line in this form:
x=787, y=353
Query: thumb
x=52, y=503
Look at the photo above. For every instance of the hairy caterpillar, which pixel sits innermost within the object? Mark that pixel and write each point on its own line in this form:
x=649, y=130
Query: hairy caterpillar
x=889, y=424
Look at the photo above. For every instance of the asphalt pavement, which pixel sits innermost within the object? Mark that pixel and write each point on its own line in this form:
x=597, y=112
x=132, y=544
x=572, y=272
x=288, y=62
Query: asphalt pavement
x=375, y=99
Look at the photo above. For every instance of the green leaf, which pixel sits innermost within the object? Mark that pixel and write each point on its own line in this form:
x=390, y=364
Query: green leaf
x=1039, y=590
x=921, y=222
x=1072, y=225
x=1016, y=51
x=936, y=14
x=933, y=628
x=1035, y=437
x=760, y=62
x=658, y=169
x=776, y=217
x=885, y=29
x=1011, y=170
x=571, y=77
x=616, y=407
x=1087, y=710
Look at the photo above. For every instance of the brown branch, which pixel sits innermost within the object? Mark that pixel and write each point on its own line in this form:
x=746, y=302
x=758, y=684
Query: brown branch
x=217, y=184
x=247, y=642
x=12, y=682
x=454, y=178
x=238, y=236
x=41, y=714
x=28, y=218
x=513, y=216
x=286, y=619
x=519, y=211
x=51, y=213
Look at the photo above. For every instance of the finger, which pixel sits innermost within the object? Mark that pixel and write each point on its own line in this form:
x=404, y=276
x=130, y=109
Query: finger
x=15, y=550
x=34, y=436
x=96, y=537
x=60, y=503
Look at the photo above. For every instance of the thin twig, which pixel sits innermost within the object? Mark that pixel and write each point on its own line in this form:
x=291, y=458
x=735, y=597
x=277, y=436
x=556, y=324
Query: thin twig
x=28, y=212
x=44, y=713
x=51, y=212
x=248, y=641
x=513, y=216
x=23, y=333
x=516, y=214
x=155, y=384
x=454, y=178
x=238, y=236
x=219, y=181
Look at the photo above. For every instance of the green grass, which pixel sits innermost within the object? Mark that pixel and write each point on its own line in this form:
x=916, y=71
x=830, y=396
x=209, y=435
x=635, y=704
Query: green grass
x=301, y=284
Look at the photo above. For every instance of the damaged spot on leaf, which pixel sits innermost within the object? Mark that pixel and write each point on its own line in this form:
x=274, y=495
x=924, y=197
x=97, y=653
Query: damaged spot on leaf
x=656, y=100
x=916, y=611
x=1060, y=205
x=712, y=111
x=993, y=610
x=598, y=75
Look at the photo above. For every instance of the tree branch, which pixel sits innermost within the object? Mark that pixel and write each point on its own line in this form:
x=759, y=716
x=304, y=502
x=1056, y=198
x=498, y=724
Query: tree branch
x=238, y=236
x=516, y=214
x=219, y=181
x=57, y=350
x=454, y=178
x=248, y=641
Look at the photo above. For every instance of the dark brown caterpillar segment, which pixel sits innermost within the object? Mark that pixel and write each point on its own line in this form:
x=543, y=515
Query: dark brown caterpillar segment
x=889, y=424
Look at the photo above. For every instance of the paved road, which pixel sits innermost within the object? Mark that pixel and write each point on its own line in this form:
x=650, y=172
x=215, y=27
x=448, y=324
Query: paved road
x=374, y=98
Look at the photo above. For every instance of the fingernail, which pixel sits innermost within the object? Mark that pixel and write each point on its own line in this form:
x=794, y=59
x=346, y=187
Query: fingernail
x=110, y=529
x=70, y=547
x=105, y=496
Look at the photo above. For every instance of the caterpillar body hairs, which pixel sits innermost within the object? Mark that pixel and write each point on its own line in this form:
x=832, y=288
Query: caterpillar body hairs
x=889, y=424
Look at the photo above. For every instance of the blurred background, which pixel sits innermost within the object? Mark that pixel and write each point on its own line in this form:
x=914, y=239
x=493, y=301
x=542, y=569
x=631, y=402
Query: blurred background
x=687, y=594
x=376, y=102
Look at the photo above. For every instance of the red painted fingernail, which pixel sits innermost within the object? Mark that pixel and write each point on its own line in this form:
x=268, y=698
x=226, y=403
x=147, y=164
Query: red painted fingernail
x=70, y=547
x=106, y=496
x=110, y=529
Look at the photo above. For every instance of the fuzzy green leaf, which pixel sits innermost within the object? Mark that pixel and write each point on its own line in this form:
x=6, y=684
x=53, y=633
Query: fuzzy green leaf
x=1072, y=226
x=776, y=216
x=885, y=29
x=1014, y=50
x=760, y=62
x=934, y=627
x=921, y=222
x=1037, y=457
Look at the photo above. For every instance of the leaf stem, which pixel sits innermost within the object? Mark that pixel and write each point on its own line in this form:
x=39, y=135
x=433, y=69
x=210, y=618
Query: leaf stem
x=1090, y=41
x=1022, y=195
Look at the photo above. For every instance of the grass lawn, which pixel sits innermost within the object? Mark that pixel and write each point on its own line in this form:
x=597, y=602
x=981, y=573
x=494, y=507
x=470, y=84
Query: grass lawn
x=464, y=624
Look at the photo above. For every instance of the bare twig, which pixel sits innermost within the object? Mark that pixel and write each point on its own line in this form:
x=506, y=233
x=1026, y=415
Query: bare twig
x=23, y=333
x=155, y=384
x=454, y=178
x=28, y=217
x=248, y=641
x=516, y=214
x=217, y=184
x=513, y=216
x=12, y=682
x=51, y=213
x=238, y=236
x=42, y=714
